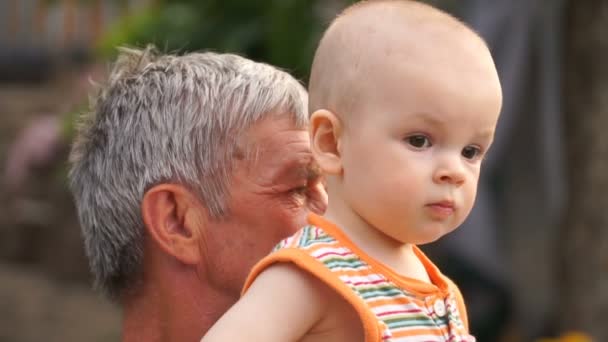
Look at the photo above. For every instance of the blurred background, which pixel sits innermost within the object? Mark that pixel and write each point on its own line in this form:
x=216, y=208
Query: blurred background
x=532, y=260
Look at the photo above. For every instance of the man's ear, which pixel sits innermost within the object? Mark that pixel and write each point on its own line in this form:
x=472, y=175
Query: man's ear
x=174, y=218
x=325, y=139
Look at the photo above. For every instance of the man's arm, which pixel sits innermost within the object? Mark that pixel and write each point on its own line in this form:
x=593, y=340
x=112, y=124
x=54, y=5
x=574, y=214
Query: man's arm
x=282, y=304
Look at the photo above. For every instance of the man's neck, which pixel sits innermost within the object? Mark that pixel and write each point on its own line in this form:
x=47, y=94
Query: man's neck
x=173, y=313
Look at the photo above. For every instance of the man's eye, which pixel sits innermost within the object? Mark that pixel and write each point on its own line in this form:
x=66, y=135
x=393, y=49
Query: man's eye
x=418, y=141
x=300, y=190
x=471, y=152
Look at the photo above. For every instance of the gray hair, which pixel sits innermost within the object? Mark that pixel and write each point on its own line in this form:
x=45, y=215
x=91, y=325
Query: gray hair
x=165, y=118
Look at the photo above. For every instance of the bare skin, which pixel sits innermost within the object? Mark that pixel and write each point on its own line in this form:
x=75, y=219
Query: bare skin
x=399, y=128
x=194, y=266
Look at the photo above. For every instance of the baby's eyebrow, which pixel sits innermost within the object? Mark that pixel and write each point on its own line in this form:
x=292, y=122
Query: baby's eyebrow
x=428, y=118
x=487, y=134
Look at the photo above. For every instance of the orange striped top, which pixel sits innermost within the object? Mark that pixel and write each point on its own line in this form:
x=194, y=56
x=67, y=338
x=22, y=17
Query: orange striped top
x=391, y=307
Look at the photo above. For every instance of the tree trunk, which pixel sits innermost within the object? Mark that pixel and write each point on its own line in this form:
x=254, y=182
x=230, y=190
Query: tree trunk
x=584, y=239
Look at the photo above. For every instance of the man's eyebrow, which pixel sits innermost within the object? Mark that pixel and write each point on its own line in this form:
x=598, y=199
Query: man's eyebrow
x=313, y=170
x=300, y=169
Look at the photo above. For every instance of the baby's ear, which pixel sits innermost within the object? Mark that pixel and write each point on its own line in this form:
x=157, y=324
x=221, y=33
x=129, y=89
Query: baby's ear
x=325, y=133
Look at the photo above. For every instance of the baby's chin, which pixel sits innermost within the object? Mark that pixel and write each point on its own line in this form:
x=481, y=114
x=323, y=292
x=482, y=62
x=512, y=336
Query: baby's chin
x=427, y=240
x=430, y=235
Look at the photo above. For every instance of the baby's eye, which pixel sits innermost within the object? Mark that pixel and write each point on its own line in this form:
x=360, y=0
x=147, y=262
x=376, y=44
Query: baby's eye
x=418, y=141
x=471, y=152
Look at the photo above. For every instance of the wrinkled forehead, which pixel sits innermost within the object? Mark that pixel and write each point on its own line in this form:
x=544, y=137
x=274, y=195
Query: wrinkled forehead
x=275, y=137
x=275, y=152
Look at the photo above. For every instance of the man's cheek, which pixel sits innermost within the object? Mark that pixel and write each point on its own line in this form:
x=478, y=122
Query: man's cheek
x=276, y=215
x=293, y=217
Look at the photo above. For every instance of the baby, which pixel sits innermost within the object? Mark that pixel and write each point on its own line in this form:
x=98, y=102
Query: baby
x=404, y=101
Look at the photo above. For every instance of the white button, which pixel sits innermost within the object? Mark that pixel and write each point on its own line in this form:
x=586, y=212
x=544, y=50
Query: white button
x=439, y=307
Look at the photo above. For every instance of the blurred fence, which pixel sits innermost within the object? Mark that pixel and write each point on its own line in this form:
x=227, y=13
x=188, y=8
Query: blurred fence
x=35, y=34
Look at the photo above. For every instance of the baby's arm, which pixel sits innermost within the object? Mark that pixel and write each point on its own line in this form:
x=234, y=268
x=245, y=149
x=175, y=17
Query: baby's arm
x=282, y=304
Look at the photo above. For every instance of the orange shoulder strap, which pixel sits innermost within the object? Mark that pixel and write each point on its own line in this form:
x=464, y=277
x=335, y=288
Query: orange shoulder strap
x=309, y=264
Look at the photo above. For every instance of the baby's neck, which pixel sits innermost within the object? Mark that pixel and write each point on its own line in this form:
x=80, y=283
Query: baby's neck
x=398, y=256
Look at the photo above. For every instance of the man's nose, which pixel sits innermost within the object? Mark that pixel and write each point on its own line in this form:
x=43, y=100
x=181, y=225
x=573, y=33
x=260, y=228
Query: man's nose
x=317, y=197
x=450, y=170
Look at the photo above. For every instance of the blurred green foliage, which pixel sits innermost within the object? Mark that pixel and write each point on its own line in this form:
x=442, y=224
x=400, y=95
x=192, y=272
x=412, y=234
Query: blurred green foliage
x=283, y=33
x=280, y=32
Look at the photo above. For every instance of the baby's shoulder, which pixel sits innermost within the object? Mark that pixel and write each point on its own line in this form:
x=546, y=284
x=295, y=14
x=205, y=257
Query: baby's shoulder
x=332, y=317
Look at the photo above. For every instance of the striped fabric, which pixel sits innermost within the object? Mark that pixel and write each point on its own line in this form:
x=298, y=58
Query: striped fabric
x=404, y=309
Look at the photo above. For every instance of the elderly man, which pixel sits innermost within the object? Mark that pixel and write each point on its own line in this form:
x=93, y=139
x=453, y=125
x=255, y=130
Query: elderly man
x=188, y=170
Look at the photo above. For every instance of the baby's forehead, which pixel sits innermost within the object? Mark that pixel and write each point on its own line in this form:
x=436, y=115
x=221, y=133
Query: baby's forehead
x=407, y=17
x=364, y=39
x=369, y=41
